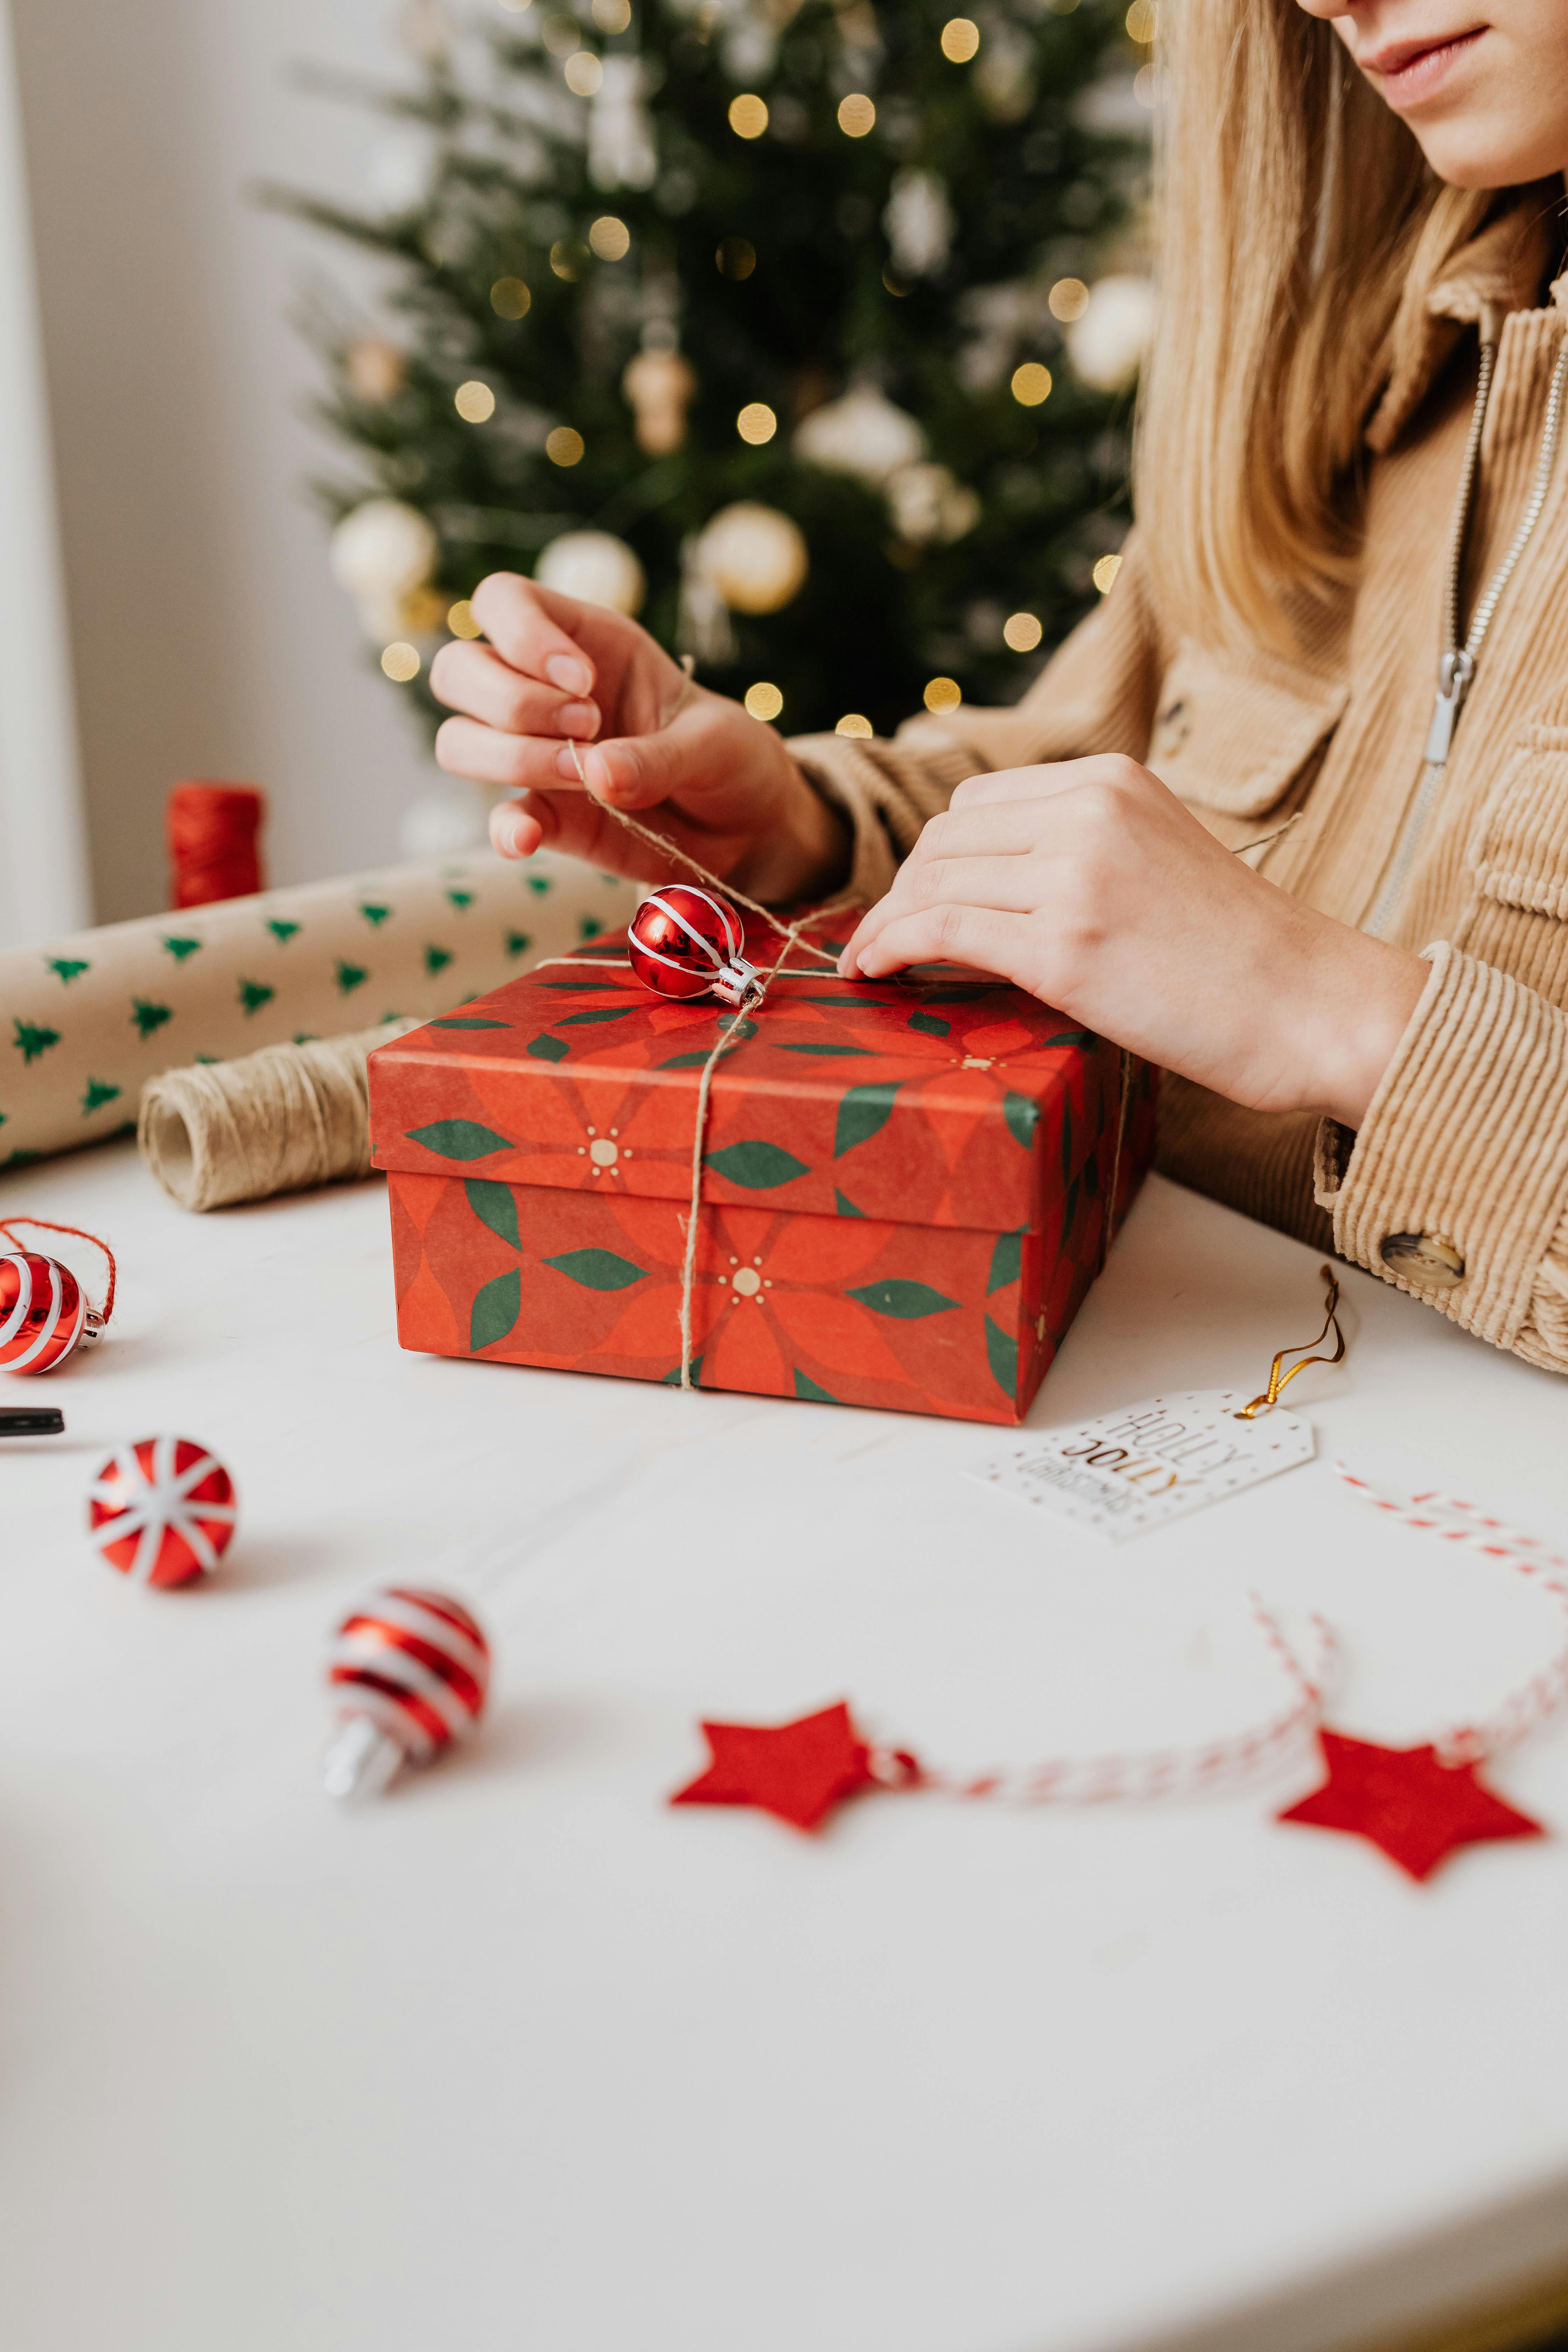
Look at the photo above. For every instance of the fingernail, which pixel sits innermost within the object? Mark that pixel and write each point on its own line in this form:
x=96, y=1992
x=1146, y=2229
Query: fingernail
x=577, y=719
x=571, y=676
x=565, y=765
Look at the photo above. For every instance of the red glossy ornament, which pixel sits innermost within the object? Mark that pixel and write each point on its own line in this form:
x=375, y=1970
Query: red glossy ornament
x=44, y=1313
x=162, y=1511
x=684, y=942
x=409, y=1669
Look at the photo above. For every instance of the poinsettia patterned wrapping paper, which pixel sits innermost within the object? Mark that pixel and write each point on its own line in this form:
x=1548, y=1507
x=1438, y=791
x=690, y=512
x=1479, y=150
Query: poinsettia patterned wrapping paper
x=904, y=1184
x=86, y=1021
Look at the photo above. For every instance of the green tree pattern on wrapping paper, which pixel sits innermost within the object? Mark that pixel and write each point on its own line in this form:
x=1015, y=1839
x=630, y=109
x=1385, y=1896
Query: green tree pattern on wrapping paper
x=254, y=994
x=458, y=1139
x=282, y=931
x=437, y=959
x=495, y=1307
x=588, y=928
x=180, y=949
x=147, y=1018
x=98, y=1094
x=518, y=943
x=596, y=1269
x=374, y=915
x=538, y=883
x=350, y=976
x=32, y=1039
x=67, y=968
x=907, y=1302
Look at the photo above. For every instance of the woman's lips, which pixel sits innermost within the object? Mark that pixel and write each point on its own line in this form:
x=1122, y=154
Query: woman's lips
x=1406, y=75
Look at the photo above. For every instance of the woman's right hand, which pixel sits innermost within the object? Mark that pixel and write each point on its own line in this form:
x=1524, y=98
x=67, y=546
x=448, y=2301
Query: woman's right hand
x=696, y=766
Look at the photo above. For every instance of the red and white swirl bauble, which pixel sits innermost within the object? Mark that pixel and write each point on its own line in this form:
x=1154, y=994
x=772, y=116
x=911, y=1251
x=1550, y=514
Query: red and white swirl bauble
x=44, y=1313
x=685, y=942
x=409, y=1668
x=162, y=1511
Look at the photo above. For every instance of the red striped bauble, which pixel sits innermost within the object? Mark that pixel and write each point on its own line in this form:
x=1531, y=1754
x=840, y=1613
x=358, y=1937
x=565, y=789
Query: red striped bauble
x=162, y=1511
x=44, y=1313
x=415, y=1663
x=684, y=942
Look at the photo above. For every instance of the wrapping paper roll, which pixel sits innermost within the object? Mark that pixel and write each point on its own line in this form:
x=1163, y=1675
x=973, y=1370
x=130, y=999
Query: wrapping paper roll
x=85, y=1022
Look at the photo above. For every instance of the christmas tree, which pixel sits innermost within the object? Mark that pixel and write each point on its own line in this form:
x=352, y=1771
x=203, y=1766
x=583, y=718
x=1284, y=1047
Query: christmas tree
x=805, y=331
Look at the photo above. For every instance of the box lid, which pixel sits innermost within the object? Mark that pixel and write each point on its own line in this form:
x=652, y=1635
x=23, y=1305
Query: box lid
x=945, y=1098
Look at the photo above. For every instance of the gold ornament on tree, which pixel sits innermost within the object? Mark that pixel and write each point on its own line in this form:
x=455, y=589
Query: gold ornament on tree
x=659, y=386
x=754, y=557
x=596, y=568
x=383, y=553
x=376, y=369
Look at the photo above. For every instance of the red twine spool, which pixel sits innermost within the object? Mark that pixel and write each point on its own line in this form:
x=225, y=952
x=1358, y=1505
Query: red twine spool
x=214, y=842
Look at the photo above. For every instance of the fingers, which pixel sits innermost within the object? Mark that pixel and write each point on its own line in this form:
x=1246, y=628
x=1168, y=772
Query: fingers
x=1012, y=885
x=1054, y=776
x=575, y=824
x=531, y=628
x=464, y=747
x=637, y=771
x=474, y=679
x=978, y=936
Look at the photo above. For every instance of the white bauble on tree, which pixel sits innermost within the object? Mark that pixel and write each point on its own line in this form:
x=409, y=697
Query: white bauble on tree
x=861, y=434
x=596, y=568
x=919, y=220
x=382, y=553
x=754, y=556
x=928, y=503
x=1108, y=344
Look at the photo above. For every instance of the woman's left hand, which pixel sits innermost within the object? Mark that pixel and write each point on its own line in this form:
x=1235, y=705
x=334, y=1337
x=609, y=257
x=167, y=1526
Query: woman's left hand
x=1089, y=884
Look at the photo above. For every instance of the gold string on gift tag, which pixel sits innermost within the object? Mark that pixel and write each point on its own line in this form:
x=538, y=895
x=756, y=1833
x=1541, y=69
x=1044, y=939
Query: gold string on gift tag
x=1277, y=1378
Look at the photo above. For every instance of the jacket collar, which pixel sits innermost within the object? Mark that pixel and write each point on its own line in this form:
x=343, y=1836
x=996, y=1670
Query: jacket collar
x=1502, y=268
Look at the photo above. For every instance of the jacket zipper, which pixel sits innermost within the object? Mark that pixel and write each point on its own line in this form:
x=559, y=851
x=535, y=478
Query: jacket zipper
x=1456, y=667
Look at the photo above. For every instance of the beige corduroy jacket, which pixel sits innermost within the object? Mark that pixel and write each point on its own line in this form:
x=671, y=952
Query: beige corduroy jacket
x=1456, y=1187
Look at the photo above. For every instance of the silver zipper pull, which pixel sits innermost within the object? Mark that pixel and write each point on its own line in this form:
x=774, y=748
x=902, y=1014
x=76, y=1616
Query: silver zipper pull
x=1455, y=672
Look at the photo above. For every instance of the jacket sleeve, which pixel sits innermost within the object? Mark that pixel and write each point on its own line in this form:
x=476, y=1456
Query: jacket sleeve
x=1096, y=694
x=1456, y=1187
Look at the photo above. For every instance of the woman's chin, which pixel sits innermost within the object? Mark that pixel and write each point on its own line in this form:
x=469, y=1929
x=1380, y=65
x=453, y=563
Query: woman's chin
x=1486, y=154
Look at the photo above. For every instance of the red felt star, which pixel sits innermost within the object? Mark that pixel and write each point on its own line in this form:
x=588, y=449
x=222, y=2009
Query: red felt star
x=798, y=1771
x=1406, y=1800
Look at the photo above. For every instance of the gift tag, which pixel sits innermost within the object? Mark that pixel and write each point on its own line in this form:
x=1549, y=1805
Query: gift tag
x=1139, y=1467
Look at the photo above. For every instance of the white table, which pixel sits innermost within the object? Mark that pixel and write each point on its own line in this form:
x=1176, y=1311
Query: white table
x=524, y=2058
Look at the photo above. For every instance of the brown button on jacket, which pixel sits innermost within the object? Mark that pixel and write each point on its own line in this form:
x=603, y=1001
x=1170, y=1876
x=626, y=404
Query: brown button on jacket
x=1456, y=1187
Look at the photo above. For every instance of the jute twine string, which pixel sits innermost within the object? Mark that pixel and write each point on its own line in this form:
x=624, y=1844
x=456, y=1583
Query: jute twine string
x=282, y=1121
x=732, y=1035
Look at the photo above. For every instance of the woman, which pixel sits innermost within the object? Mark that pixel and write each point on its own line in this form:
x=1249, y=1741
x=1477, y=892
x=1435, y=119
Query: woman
x=1342, y=605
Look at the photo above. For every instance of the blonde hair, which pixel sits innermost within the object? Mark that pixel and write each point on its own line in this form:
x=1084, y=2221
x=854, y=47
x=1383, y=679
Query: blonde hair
x=1300, y=225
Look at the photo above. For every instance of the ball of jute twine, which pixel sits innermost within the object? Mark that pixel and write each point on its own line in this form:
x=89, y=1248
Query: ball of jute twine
x=282, y=1120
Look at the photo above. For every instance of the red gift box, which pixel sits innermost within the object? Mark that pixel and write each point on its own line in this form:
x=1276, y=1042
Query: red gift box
x=904, y=1183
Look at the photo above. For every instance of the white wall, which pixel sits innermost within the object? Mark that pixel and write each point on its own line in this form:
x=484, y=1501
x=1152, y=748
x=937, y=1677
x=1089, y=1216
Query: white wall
x=43, y=848
x=208, y=638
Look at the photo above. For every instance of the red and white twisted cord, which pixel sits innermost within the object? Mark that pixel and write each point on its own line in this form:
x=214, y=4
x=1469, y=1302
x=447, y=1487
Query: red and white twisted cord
x=1137, y=1776
x=1455, y=1521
